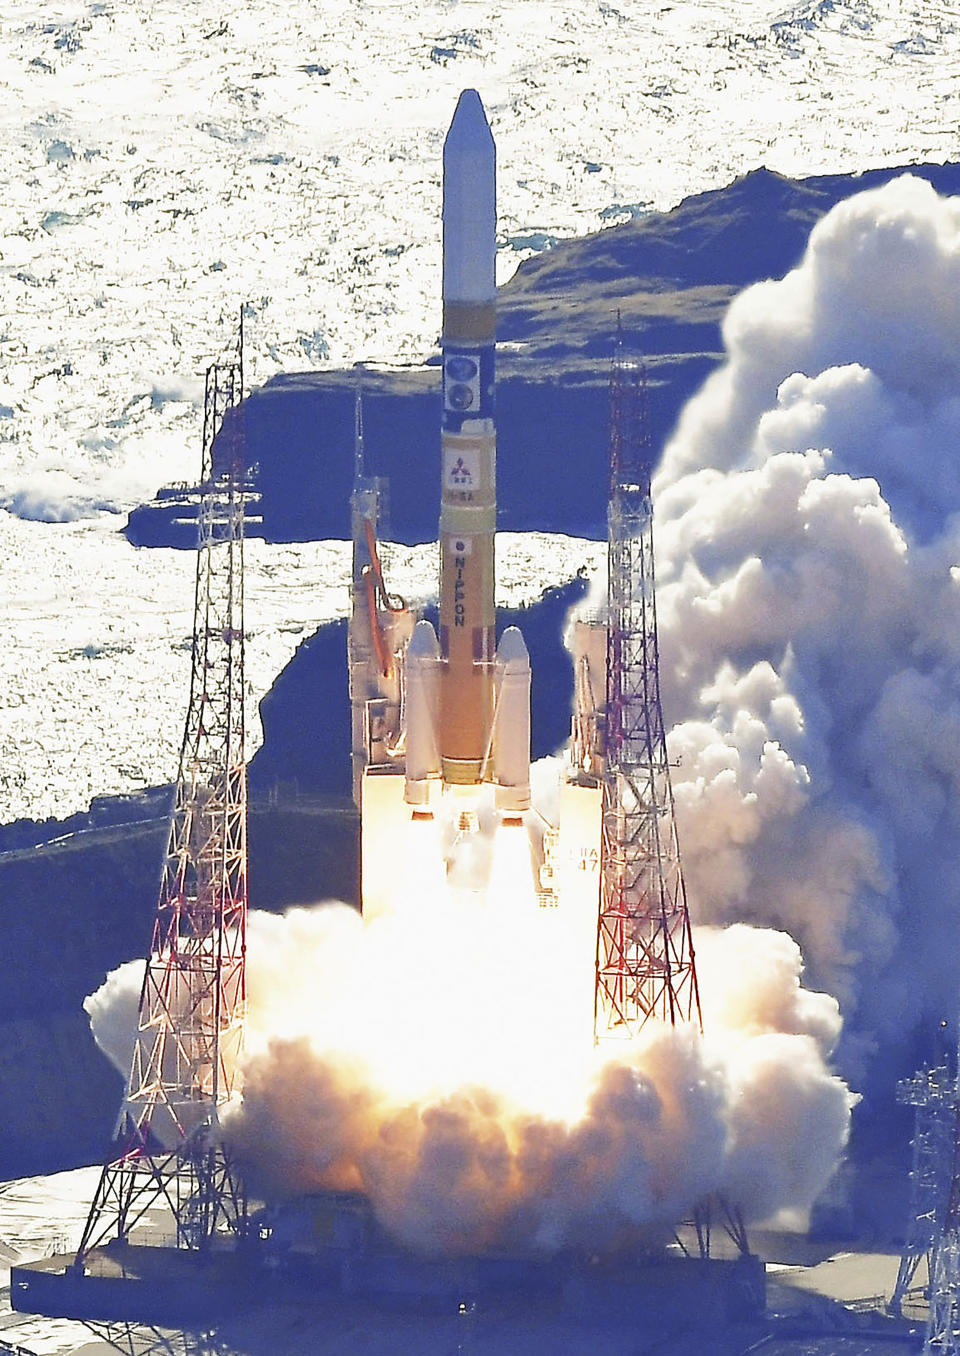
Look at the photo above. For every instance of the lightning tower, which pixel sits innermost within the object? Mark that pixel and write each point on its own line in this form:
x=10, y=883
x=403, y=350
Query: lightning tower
x=943, y=1324
x=645, y=958
x=933, y=1094
x=168, y=1149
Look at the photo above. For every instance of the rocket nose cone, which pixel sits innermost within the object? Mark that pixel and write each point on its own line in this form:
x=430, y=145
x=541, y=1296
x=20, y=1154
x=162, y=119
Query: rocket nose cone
x=512, y=651
x=469, y=206
x=423, y=642
x=469, y=104
x=469, y=130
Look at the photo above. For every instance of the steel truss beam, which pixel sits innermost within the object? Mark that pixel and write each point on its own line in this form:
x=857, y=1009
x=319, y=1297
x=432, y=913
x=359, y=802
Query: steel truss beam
x=933, y=1094
x=943, y=1323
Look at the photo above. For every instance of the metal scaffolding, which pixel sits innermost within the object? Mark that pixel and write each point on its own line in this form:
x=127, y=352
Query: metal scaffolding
x=168, y=1149
x=933, y=1094
x=943, y=1323
x=645, y=957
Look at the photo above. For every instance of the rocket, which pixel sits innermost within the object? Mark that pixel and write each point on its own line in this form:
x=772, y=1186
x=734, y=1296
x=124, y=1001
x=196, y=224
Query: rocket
x=468, y=707
x=442, y=717
x=468, y=451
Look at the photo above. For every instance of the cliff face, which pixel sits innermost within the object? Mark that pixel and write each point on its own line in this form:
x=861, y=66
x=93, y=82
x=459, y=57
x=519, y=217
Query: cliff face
x=70, y=912
x=668, y=276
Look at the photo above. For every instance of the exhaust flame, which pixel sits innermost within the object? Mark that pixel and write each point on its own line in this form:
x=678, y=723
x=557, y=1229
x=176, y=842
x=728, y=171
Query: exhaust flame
x=433, y=1060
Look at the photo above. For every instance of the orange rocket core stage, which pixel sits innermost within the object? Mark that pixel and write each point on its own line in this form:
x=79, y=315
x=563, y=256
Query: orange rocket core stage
x=468, y=498
x=467, y=525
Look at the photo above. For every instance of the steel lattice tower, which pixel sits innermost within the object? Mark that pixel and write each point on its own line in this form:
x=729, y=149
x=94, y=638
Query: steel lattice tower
x=645, y=958
x=943, y=1324
x=933, y=1094
x=168, y=1149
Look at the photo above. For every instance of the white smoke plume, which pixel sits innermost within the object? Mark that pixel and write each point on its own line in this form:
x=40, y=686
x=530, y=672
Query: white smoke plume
x=809, y=606
x=425, y=1060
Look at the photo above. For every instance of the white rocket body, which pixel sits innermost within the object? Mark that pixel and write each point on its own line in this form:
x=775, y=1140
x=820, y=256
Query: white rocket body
x=511, y=724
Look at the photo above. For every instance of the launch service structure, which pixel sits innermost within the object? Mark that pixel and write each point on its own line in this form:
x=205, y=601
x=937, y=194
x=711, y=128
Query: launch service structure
x=932, y=1092
x=168, y=1152
x=645, y=965
x=943, y=1323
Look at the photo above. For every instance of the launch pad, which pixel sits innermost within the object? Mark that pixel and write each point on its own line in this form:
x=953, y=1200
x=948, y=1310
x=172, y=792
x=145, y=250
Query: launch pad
x=326, y=1250
x=138, y=1283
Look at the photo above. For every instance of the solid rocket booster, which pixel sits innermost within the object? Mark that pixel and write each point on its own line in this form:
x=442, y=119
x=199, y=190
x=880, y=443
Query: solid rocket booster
x=511, y=737
x=468, y=509
x=422, y=669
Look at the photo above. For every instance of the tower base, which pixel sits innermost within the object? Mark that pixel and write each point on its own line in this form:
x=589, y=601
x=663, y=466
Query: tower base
x=138, y=1284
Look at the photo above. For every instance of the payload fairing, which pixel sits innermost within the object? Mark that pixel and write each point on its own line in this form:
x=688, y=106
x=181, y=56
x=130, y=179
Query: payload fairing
x=452, y=712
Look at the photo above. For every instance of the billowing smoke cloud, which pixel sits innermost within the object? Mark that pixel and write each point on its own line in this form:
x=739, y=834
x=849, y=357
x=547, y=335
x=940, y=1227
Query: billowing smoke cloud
x=426, y=1061
x=809, y=607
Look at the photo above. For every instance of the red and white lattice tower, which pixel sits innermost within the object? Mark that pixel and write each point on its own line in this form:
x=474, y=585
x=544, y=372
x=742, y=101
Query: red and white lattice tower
x=168, y=1150
x=645, y=959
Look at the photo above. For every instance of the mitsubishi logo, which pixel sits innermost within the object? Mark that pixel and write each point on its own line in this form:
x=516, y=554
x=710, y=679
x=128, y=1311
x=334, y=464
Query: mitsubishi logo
x=460, y=473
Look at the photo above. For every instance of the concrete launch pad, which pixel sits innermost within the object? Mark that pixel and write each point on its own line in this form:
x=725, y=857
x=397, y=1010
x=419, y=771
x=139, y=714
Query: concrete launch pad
x=328, y=1249
x=826, y=1299
x=138, y=1283
x=169, y=1288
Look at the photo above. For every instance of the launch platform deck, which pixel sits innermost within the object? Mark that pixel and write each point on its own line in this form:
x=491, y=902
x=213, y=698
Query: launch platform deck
x=146, y=1284
x=167, y=1286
